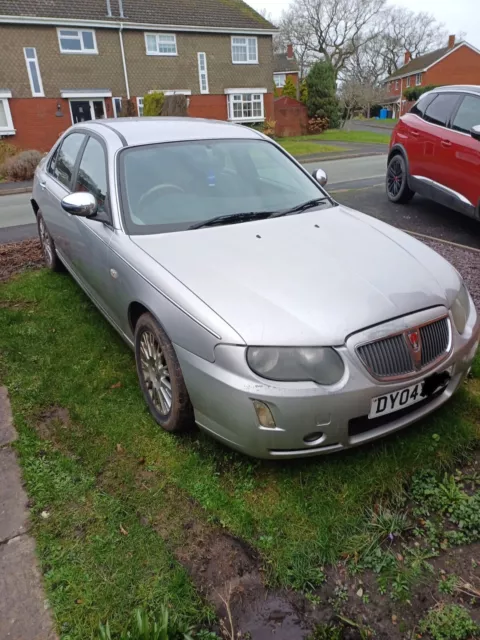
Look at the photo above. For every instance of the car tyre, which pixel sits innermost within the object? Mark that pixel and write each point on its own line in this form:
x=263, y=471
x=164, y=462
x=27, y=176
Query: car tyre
x=52, y=261
x=160, y=377
x=397, y=180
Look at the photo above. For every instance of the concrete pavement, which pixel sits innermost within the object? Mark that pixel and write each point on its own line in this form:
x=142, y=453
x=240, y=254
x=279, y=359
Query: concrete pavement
x=24, y=612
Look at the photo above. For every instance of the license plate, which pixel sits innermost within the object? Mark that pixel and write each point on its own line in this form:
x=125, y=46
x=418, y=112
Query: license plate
x=396, y=400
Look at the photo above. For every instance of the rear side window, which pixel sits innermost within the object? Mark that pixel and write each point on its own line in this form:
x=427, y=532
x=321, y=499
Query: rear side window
x=468, y=114
x=66, y=156
x=419, y=107
x=92, y=172
x=440, y=109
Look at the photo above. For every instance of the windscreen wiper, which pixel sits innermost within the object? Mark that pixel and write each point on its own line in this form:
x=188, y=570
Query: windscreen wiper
x=232, y=219
x=301, y=207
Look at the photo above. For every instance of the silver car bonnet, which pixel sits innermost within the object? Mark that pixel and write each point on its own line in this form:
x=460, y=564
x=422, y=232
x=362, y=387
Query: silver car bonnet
x=307, y=279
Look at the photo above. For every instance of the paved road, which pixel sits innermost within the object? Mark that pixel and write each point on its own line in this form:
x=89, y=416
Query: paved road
x=369, y=168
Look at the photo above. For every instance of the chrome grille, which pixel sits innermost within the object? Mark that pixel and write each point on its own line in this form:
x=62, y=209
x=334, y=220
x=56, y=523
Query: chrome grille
x=393, y=356
x=435, y=340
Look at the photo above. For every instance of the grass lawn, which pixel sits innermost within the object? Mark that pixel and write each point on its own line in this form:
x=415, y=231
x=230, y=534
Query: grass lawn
x=115, y=491
x=302, y=147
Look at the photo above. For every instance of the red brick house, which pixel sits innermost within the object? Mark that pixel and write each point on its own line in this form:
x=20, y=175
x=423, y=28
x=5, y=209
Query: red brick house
x=64, y=62
x=457, y=63
x=284, y=66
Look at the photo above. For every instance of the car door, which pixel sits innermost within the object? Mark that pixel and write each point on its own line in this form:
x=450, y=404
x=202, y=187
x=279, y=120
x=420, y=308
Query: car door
x=56, y=183
x=460, y=154
x=437, y=118
x=411, y=133
x=90, y=251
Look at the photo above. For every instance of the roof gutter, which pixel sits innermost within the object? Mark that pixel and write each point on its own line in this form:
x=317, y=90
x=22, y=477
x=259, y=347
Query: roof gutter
x=113, y=24
x=124, y=62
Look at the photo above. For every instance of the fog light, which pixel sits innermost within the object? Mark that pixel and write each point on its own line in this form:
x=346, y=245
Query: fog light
x=314, y=438
x=264, y=415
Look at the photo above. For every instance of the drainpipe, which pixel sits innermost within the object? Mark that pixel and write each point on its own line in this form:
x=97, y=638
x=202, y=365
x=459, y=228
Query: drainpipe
x=124, y=62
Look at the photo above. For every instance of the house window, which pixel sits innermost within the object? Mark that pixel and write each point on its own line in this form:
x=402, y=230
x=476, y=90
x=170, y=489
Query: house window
x=408, y=81
x=245, y=107
x=140, y=106
x=396, y=84
x=77, y=41
x=117, y=107
x=6, y=123
x=202, y=72
x=280, y=79
x=33, y=71
x=161, y=44
x=244, y=50
x=418, y=79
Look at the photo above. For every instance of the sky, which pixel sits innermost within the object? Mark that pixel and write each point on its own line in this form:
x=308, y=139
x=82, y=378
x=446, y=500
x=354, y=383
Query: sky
x=457, y=15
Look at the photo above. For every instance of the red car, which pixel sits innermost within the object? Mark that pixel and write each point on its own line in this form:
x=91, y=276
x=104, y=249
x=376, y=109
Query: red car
x=435, y=150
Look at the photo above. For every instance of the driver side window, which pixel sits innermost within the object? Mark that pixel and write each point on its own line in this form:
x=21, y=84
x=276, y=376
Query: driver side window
x=92, y=172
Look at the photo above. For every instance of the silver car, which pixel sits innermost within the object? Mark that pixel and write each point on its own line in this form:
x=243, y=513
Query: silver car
x=282, y=323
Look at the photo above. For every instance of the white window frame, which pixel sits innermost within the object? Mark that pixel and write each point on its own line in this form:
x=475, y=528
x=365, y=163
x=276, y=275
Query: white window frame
x=90, y=101
x=157, y=36
x=40, y=93
x=280, y=79
x=232, y=98
x=140, y=106
x=202, y=74
x=408, y=81
x=82, y=51
x=115, y=112
x=246, y=39
x=396, y=84
x=418, y=79
x=9, y=129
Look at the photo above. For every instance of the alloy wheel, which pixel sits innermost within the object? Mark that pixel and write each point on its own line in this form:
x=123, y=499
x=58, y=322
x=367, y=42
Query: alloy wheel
x=46, y=242
x=155, y=372
x=394, y=177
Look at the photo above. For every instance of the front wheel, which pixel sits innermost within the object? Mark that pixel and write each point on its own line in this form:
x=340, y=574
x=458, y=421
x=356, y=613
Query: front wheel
x=397, y=181
x=52, y=261
x=160, y=376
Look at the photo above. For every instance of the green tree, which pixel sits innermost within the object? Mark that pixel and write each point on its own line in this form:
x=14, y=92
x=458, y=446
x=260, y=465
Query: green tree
x=289, y=89
x=303, y=91
x=322, y=101
x=153, y=103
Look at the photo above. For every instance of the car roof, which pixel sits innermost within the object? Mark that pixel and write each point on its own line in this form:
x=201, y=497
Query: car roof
x=148, y=130
x=467, y=88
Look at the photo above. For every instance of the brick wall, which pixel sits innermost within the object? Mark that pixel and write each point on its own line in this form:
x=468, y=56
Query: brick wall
x=148, y=73
x=460, y=67
x=36, y=122
x=208, y=106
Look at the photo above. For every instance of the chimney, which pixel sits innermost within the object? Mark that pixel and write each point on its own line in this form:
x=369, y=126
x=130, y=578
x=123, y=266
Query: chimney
x=290, y=54
x=451, y=41
x=408, y=57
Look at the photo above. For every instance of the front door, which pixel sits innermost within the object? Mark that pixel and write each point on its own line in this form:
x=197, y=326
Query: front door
x=80, y=111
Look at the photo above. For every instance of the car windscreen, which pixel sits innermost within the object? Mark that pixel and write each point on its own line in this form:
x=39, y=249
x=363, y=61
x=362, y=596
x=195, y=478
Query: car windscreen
x=173, y=186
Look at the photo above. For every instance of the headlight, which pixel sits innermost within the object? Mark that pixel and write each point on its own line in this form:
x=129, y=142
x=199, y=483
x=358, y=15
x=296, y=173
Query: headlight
x=461, y=309
x=320, y=364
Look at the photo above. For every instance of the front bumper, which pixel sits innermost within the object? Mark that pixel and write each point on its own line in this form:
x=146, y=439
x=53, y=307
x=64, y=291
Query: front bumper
x=312, y=419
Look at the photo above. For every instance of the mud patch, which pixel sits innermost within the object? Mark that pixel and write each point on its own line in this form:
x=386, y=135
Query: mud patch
x=16, y=257
x=50, y=421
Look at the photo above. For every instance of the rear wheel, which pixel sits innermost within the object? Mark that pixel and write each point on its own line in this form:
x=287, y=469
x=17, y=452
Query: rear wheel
x=160, y=376
x=52, y=261
x=397, y=180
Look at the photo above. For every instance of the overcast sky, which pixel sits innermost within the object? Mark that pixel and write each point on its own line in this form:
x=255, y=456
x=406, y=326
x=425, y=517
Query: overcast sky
x=458, y=15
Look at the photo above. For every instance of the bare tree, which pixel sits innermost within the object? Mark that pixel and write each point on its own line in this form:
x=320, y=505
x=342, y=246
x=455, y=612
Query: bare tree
x=405, y=30
x=359, y=95
x=330, y=29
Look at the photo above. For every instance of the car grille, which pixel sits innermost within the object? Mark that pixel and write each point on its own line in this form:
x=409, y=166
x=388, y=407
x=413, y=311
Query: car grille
x=393, y=356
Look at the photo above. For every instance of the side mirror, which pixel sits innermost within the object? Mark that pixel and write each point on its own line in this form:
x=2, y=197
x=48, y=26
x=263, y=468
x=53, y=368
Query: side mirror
x=320, y=176
x=81, y=204
x=475, y=132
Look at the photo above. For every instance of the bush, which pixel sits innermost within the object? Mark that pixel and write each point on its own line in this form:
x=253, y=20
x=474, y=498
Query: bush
x=153, y=103
x=269, y=128
x=449, y=622
x=7, y=150
x=413, y=93
x=128, y=109
x=289, y=89
x=304, y=91
x=322, y=100
x=317, y=125
x=22, y=166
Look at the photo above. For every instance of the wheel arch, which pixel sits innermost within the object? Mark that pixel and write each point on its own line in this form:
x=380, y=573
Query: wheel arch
x=399, y=149
x=35, y=206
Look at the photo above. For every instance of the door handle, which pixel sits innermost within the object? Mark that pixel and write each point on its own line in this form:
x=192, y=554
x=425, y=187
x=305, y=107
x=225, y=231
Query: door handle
x=43, y=185
x=414, y=132
x=446, y=143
